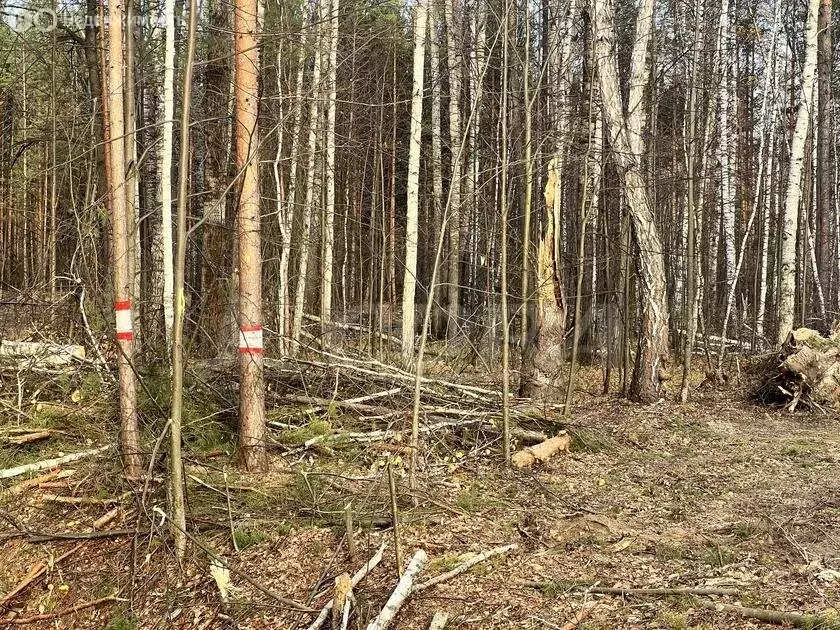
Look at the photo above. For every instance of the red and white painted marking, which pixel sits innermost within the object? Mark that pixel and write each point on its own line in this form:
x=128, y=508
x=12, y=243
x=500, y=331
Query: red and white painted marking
x=251, y=339
x=125, y=325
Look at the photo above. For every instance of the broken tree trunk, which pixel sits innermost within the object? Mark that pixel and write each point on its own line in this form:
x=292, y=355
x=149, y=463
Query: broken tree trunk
x=807, y=371
x=541, y=452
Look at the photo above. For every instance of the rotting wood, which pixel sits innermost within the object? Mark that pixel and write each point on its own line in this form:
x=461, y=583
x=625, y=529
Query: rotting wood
x=53, y=475
x=28, y=438
x=541, y=452
x=400, y=593
x=343, y=588
x=106, y=518
x=45, y=354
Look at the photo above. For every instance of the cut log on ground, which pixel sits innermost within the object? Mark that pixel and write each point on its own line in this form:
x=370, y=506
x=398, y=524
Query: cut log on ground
x=807, y=372
x=541, y=452
x=41, y=354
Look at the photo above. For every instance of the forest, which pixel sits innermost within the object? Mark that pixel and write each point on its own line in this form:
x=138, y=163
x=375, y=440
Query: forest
x=429, y=314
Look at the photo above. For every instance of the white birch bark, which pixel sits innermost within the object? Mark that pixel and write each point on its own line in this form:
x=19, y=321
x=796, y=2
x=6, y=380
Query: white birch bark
x=312, y=144
x=793, y=195
x=167, y=125
x=627, y=143
x=413, y=184
x=726, y=150
x=286, y=215
x=453, y=218
x=329, y=175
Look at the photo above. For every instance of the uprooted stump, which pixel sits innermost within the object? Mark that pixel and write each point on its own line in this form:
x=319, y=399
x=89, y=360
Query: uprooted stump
x=807, y=371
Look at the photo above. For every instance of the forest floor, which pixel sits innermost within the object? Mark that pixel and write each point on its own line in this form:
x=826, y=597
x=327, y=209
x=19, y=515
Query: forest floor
x=718, y=493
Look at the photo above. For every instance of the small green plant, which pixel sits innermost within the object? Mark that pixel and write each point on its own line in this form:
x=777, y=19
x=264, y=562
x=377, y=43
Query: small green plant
x=306, y=432
x=122, y=622
x=717, y=556
x=673, y=619
x=245, y=537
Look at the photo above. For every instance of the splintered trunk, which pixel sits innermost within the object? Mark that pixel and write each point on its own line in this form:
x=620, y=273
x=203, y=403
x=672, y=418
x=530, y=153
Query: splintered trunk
x=790, y=212
x=626, y=141
x=251, y=445
x=130, y=435
x=413, y=184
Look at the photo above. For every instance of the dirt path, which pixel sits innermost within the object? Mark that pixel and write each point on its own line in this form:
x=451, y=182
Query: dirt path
x=708, y=494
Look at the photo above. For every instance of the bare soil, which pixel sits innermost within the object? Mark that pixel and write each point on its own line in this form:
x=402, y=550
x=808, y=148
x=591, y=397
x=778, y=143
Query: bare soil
x=712, y=493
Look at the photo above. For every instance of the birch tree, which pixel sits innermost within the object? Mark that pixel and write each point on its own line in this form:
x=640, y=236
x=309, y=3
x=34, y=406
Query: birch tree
x=421, y=13
x=167, y=125
x=627, y=143
x=793, y=195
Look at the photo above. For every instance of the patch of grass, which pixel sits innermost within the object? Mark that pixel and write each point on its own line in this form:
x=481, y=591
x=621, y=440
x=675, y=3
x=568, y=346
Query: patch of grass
x=673, y=619
x=122, y=623
x=668, y=551
x=589, y=441
x=744, y=530
x=717, y=556
x=246, y=537
x=472, y=500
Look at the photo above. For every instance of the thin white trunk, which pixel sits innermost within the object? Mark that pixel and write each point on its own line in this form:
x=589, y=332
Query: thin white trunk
x=286, y=215
x=312, y=144
x=329, y=210
x=726, y=150
x=767, y=117
x=790, y=212
x=166, y=170
x=453, y=222
x=413, y=184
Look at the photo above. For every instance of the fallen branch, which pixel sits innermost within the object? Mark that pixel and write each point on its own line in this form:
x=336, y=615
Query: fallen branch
x=62, y=613
x=36, y=572
x=52, y=463
x=28, y=438
x=641, y=592
x=55, y=498
x=106, y=518
x=579, y=617
x=402, y=591
x=463, y=567
x=439, y=621
x=769, y=616
x=358, y=577
x=23, y=486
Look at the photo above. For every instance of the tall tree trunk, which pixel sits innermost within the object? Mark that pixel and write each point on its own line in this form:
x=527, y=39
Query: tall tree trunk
x=453, y=204
x=312, y=144
x=627, y=144
x=166, y=152
x=329, y=175
x=790, y=213
x=130, y=435
x=726, y=151
x=176, y=465
x=413, y=184
x=251, y=445
x=825, y=135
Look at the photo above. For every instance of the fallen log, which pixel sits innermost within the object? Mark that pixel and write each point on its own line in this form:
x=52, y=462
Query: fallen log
x=630, y=592
x=400, y=593
x=42, y=353
x=52, y=463
x=541, y=452
x=774, y=617
x=36, y=572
